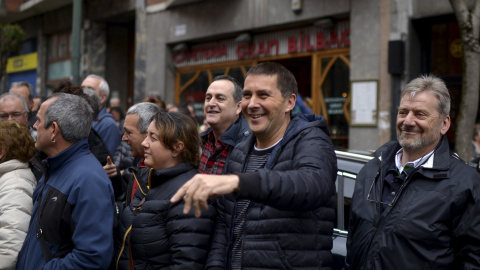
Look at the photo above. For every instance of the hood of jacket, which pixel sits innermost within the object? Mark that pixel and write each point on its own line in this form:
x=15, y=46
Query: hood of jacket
x=297, y=124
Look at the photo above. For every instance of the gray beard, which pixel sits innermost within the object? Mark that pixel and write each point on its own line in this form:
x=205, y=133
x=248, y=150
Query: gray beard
x=418, y=143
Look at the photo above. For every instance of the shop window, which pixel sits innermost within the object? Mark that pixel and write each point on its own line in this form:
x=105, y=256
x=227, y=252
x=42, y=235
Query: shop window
x=440, y=53
x=195, y=91
x=239, y=74
x=193, y=85
x=335, y=89
x=323, y=76
x=59, y=59
x=446, y=50
x=215, y=73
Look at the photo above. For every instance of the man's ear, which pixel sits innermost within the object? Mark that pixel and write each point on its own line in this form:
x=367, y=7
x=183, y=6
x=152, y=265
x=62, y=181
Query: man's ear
x=239, y=107
x=445, y=125
x=56, y=129
x=290, y=102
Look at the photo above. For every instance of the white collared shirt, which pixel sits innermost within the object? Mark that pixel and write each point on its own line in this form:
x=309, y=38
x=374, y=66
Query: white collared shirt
x=415, y=163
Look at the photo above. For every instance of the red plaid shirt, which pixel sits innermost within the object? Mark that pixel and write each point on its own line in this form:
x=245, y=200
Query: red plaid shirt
x=214, y=154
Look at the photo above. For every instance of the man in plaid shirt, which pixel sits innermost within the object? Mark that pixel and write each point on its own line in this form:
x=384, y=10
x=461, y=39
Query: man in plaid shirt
x=227, y=126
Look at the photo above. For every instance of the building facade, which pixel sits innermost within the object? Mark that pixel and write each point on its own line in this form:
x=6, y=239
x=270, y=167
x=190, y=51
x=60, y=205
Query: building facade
x=351, y=58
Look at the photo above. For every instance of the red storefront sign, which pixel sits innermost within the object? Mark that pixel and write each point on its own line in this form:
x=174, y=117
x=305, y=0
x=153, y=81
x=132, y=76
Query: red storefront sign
x=271, y=44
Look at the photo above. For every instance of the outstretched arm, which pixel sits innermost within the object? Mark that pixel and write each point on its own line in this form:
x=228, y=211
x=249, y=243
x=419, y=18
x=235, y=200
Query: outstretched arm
x=201, y=187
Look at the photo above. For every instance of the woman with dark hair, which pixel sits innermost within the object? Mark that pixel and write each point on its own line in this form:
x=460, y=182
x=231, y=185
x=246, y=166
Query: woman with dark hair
x=17, y=183
x=154, y=233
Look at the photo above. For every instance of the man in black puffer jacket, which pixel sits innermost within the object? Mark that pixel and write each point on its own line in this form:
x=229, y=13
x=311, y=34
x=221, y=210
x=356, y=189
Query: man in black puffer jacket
x=278, y=208
x=416, y=205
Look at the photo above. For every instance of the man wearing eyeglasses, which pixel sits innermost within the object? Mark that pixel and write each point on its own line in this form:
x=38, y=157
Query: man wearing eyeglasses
x=416, y=205
x=25, y=90
x=14, y=108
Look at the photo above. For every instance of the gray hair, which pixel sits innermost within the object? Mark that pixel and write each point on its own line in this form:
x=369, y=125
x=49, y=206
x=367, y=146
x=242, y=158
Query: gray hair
x=13, y=96
x=73, y=115
x=26, y=84
x=103, y=87
x=145, y=111
x=433, y=85
x=237, y=89
x=94, y=100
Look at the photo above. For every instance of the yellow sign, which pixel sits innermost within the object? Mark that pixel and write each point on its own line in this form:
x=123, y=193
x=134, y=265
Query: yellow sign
x=456, y=49
x=22, y=62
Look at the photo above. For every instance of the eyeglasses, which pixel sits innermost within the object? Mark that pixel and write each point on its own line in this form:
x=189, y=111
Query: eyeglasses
x=14, y=115
x=375, y=200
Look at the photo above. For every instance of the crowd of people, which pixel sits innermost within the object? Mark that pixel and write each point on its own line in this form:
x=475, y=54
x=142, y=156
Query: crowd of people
x=252, y=186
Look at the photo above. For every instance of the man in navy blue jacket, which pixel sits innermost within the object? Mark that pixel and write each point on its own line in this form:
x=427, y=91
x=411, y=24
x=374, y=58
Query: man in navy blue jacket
x=277, y=209
x=104, y=124
x=72, y=219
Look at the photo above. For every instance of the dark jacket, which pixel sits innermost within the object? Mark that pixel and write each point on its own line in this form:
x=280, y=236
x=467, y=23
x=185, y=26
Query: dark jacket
x=123, y=158
x=135, y=174
x=289, y=221
x=98, y=147
x=235, y=134
x=434, y=223
x=161, y=236
x=76, y=214
x=107, y=128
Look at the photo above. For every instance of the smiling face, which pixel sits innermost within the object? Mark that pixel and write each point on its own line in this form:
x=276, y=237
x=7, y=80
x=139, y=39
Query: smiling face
x=220, y=109
x=157, y=156
x=132, y=135
x=419, y=124
x=265, y=109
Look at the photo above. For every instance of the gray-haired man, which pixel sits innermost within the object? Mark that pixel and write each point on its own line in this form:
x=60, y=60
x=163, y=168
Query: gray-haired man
x=104, y=124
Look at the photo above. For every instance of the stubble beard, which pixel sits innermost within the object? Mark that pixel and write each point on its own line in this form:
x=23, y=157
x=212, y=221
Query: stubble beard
x=419, y=143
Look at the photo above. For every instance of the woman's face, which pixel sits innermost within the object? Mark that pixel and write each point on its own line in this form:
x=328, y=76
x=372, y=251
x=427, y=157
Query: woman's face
x=157, y=156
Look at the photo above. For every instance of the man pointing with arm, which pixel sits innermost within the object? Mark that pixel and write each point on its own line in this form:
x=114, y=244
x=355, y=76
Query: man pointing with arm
x=277, y=211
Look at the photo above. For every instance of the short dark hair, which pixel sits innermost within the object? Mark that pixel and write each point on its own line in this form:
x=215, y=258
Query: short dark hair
x=285, y=80
x=237, y=89
x=174, y=127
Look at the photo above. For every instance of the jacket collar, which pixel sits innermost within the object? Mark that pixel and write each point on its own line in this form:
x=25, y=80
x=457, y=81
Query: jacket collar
x=298, y=123
x=63, y=157
x=158, y=177
x=436, y=167
x=233, y=134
